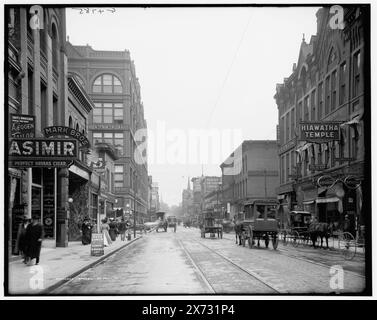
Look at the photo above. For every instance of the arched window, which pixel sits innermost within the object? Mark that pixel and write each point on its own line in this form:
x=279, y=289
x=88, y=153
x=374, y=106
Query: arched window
x=70, y=122
x=54, y=46
x=80, y=80
x=107, y=83
x=77, y=127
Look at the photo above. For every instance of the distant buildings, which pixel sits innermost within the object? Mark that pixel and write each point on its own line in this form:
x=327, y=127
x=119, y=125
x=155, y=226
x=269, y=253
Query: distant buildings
x=154, y=199
x=187, y=200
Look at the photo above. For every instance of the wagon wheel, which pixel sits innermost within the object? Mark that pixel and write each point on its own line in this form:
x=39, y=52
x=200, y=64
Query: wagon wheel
x=251, y=240
x=347, y=245
x=275, y=241
x=295, y=237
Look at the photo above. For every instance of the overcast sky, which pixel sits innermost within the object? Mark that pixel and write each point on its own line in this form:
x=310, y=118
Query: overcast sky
x=201, y=69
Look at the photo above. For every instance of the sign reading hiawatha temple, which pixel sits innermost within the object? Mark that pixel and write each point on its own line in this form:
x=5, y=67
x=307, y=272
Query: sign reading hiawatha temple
x=319, y=131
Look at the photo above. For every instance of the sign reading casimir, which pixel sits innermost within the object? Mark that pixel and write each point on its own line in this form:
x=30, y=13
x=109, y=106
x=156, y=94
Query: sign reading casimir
x=319, y=131
x=27, y=153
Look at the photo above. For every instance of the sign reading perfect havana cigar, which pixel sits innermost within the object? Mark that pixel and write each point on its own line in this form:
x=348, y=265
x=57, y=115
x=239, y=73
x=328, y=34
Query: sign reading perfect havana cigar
x=66, y=131
x=319, y=131
x=28, y=153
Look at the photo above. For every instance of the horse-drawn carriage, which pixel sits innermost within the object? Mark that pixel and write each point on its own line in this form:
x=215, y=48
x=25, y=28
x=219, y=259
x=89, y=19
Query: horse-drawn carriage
x=172, y=222
x=296, y=228
x=301, y=228
x=209, y=225
x=258, y=222
x=162, y=222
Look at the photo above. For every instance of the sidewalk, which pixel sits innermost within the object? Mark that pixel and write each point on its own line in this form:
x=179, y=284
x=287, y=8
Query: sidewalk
x=56, y=266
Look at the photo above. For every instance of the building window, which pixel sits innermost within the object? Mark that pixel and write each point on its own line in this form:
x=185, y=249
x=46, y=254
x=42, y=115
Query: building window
x=356, y=74
x=299, y=112
x=354, y=142
x=287, y=131
x=334, y=77
x=107, y=83
x=108, y=113
x=328, y=96
x=70, y=122
x=342, y=93
x=119, y=176
x=115, y=139
x=282, y=177
x=312, y=106
x=320, y=101
x=306, y=108
x=293, y=121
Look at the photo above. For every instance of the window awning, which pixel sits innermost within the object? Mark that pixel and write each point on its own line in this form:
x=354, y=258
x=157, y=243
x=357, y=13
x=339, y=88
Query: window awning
x=308, y=202
x=327, y=200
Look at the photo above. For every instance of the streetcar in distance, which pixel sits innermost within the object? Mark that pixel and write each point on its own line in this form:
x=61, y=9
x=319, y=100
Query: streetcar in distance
x=258, y=222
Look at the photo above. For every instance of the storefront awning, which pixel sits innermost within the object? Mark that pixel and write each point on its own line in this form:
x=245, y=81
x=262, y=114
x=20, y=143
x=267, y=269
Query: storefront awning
x=327, y=200
x=308, y=202
x=281, y=196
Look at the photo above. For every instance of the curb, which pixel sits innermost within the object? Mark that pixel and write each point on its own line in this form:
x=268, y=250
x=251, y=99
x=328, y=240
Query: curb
x=90, y=265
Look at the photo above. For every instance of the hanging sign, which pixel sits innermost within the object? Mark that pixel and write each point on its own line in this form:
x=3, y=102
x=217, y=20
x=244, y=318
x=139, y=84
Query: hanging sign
x=352, y=182
x=325, y=181
x=28, y=153
x=319, y=132
x=66, y=131
x=22, y=126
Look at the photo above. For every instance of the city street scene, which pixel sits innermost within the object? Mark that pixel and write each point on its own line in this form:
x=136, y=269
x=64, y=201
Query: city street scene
x=187, y=150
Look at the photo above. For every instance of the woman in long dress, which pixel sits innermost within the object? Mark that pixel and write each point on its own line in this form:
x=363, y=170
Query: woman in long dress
x=86, y=229
x=105, y=230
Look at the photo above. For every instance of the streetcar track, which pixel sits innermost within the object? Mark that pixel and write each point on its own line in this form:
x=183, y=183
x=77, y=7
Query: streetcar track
x=248, y=272
x=286, y=253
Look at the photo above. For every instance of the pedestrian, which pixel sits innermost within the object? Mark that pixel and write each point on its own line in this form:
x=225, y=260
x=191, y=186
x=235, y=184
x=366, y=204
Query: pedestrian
x=20, y=242
x=86, y=229
x=105, y=230
x=122, y=229
x=33, y=239
x=113, y=229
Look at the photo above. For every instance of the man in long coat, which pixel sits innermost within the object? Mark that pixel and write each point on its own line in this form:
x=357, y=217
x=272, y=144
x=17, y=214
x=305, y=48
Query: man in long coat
x=33, y=239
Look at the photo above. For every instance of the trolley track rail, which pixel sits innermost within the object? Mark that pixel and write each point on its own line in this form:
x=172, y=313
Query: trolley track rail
x=287, y=253
x=249, y=273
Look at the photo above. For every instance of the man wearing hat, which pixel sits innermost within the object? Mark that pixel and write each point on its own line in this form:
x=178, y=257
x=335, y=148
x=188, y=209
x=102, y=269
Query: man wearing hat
x=33, y=240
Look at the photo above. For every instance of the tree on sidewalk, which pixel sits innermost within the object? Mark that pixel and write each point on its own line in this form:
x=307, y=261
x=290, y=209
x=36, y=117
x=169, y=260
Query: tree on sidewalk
x=79, y=209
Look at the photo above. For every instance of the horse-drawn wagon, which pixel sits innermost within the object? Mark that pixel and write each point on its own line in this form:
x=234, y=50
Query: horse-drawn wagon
x=162, y=222
x=209, y=225
x=172, y=222
x=258, y=222
x=295, y=230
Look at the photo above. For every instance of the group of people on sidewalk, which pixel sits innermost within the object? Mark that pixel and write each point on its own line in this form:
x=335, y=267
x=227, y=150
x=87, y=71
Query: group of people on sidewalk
x=30, y=235
x=29, y=240
x=112, y=229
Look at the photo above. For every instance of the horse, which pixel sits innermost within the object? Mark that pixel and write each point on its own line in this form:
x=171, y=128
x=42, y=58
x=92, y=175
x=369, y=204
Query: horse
x=239, y=229
x=319, y=229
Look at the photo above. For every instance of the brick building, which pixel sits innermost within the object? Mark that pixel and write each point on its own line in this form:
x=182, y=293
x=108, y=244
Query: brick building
x=110, y=79
x=255, y=176
x=326, y=85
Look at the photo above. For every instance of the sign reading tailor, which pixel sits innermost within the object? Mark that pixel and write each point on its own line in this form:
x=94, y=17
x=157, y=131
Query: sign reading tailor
x=66, y=131
x=319, y=131
x=22, y=126
x=28, y=153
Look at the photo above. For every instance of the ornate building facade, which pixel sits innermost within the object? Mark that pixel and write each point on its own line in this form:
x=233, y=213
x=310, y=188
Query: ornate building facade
x=326, y=86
